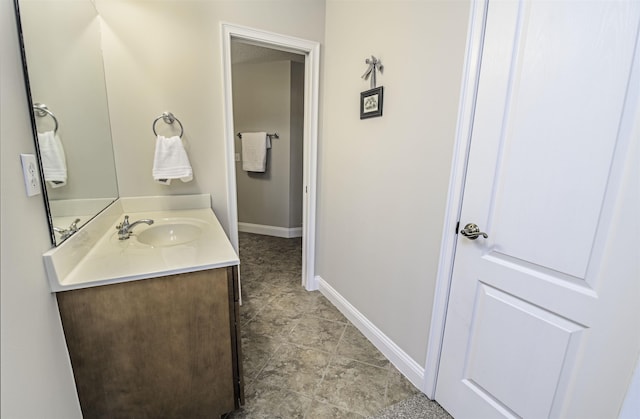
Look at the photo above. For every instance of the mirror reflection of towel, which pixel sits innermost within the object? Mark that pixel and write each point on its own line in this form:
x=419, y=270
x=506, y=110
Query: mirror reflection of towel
x=54, y=164
x=254, y=151
x=171, y=161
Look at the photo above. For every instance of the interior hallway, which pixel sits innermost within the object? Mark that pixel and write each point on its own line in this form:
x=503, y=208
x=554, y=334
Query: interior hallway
x=302, y=357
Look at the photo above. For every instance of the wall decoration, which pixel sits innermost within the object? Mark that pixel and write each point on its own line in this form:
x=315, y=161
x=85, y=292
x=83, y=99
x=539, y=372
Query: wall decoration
x=374, y=64
x=371, y=103
x=371, y=100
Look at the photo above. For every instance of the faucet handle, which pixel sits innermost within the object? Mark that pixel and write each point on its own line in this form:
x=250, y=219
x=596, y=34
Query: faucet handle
x=74, y=225
x=124, y=223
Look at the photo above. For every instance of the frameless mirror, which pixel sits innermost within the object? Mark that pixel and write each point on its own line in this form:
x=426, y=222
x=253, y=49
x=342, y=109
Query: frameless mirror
x=65, y=78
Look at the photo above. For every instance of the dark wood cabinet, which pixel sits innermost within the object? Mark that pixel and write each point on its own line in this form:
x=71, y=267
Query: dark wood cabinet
x=165, y=347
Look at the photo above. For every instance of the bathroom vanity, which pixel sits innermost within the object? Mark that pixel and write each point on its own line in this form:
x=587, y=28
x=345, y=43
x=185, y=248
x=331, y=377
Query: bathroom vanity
x=162, y=347
x=151, y=323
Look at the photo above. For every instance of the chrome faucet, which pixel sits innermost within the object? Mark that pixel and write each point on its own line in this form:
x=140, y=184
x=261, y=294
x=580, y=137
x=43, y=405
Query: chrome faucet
x=124, y=228
x=66, y=232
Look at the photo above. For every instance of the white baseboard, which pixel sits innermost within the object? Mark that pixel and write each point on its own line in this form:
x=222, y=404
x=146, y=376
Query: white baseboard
x=413, y=371
x=270, y=230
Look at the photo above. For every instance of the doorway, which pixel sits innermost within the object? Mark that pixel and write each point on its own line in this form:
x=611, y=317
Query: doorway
x=268, y=108
x=310, y=50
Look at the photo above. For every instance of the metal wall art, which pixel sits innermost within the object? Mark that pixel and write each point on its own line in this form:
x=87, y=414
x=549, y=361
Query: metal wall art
x=371, y=100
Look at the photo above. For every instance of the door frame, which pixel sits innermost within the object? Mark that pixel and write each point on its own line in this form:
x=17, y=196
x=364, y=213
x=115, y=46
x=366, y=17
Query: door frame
x=466, y=112
x=311, y=51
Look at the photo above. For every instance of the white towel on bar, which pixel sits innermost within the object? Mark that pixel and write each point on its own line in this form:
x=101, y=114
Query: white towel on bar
x=54, y=164
x=254, y=151
x=171, y=161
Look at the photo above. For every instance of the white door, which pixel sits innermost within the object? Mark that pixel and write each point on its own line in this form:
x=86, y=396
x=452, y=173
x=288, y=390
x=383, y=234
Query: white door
x=543, y=317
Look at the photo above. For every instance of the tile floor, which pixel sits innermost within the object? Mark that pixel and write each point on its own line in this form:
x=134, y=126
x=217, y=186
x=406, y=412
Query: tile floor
x=302, y=358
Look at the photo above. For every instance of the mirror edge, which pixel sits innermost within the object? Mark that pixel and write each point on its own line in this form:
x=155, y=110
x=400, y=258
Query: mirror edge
x=32, y=119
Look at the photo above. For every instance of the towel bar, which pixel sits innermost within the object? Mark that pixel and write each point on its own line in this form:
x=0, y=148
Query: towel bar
x=271, y=136
x=168, y=118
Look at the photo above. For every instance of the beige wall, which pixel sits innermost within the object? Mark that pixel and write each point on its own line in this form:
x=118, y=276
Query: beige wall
x=166, y=55
x=383, y=181
x=36, y=373
x=262, y=101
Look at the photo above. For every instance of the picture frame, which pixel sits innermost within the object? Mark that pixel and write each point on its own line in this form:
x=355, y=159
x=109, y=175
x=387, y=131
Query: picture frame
x=371, y=103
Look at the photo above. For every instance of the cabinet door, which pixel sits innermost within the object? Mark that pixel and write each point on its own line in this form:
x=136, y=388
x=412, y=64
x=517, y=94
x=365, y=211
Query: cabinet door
x=153, y=348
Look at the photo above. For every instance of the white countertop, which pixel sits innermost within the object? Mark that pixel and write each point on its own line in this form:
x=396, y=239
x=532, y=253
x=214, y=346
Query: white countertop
x=87, y=261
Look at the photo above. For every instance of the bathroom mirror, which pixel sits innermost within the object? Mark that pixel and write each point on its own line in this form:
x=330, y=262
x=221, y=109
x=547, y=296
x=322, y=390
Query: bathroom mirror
x=65, y=78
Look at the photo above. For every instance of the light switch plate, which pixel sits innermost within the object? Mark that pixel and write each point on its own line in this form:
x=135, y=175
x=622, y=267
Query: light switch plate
x=30, y=173
x=237, y=156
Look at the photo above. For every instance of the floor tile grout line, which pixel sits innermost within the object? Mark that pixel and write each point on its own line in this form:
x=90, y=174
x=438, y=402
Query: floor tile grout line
x=324, y=371
x=338, y=355
x=281, y=342
x=386, y=385
x=257, y=375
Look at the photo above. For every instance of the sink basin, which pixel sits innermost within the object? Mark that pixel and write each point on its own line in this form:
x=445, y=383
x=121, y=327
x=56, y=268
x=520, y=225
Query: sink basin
x=161, y=235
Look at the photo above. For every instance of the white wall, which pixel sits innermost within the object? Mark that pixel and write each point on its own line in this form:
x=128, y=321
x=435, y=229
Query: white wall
x=167, y=56
x=37, y=381
x=383, y=181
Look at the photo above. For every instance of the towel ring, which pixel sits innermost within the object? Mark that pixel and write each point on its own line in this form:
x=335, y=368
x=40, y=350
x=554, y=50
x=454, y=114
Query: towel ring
x=168, y=118
x=41, y=110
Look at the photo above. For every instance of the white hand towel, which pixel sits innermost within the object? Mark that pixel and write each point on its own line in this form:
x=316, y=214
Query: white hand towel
x=254, y=151
x=54, y=164
x=171, y=161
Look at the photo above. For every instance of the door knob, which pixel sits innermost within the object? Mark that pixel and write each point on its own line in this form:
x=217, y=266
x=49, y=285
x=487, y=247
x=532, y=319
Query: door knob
x=472, y=232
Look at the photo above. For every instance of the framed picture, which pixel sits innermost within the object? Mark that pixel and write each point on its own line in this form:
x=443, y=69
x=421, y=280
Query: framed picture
x=371, y=103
